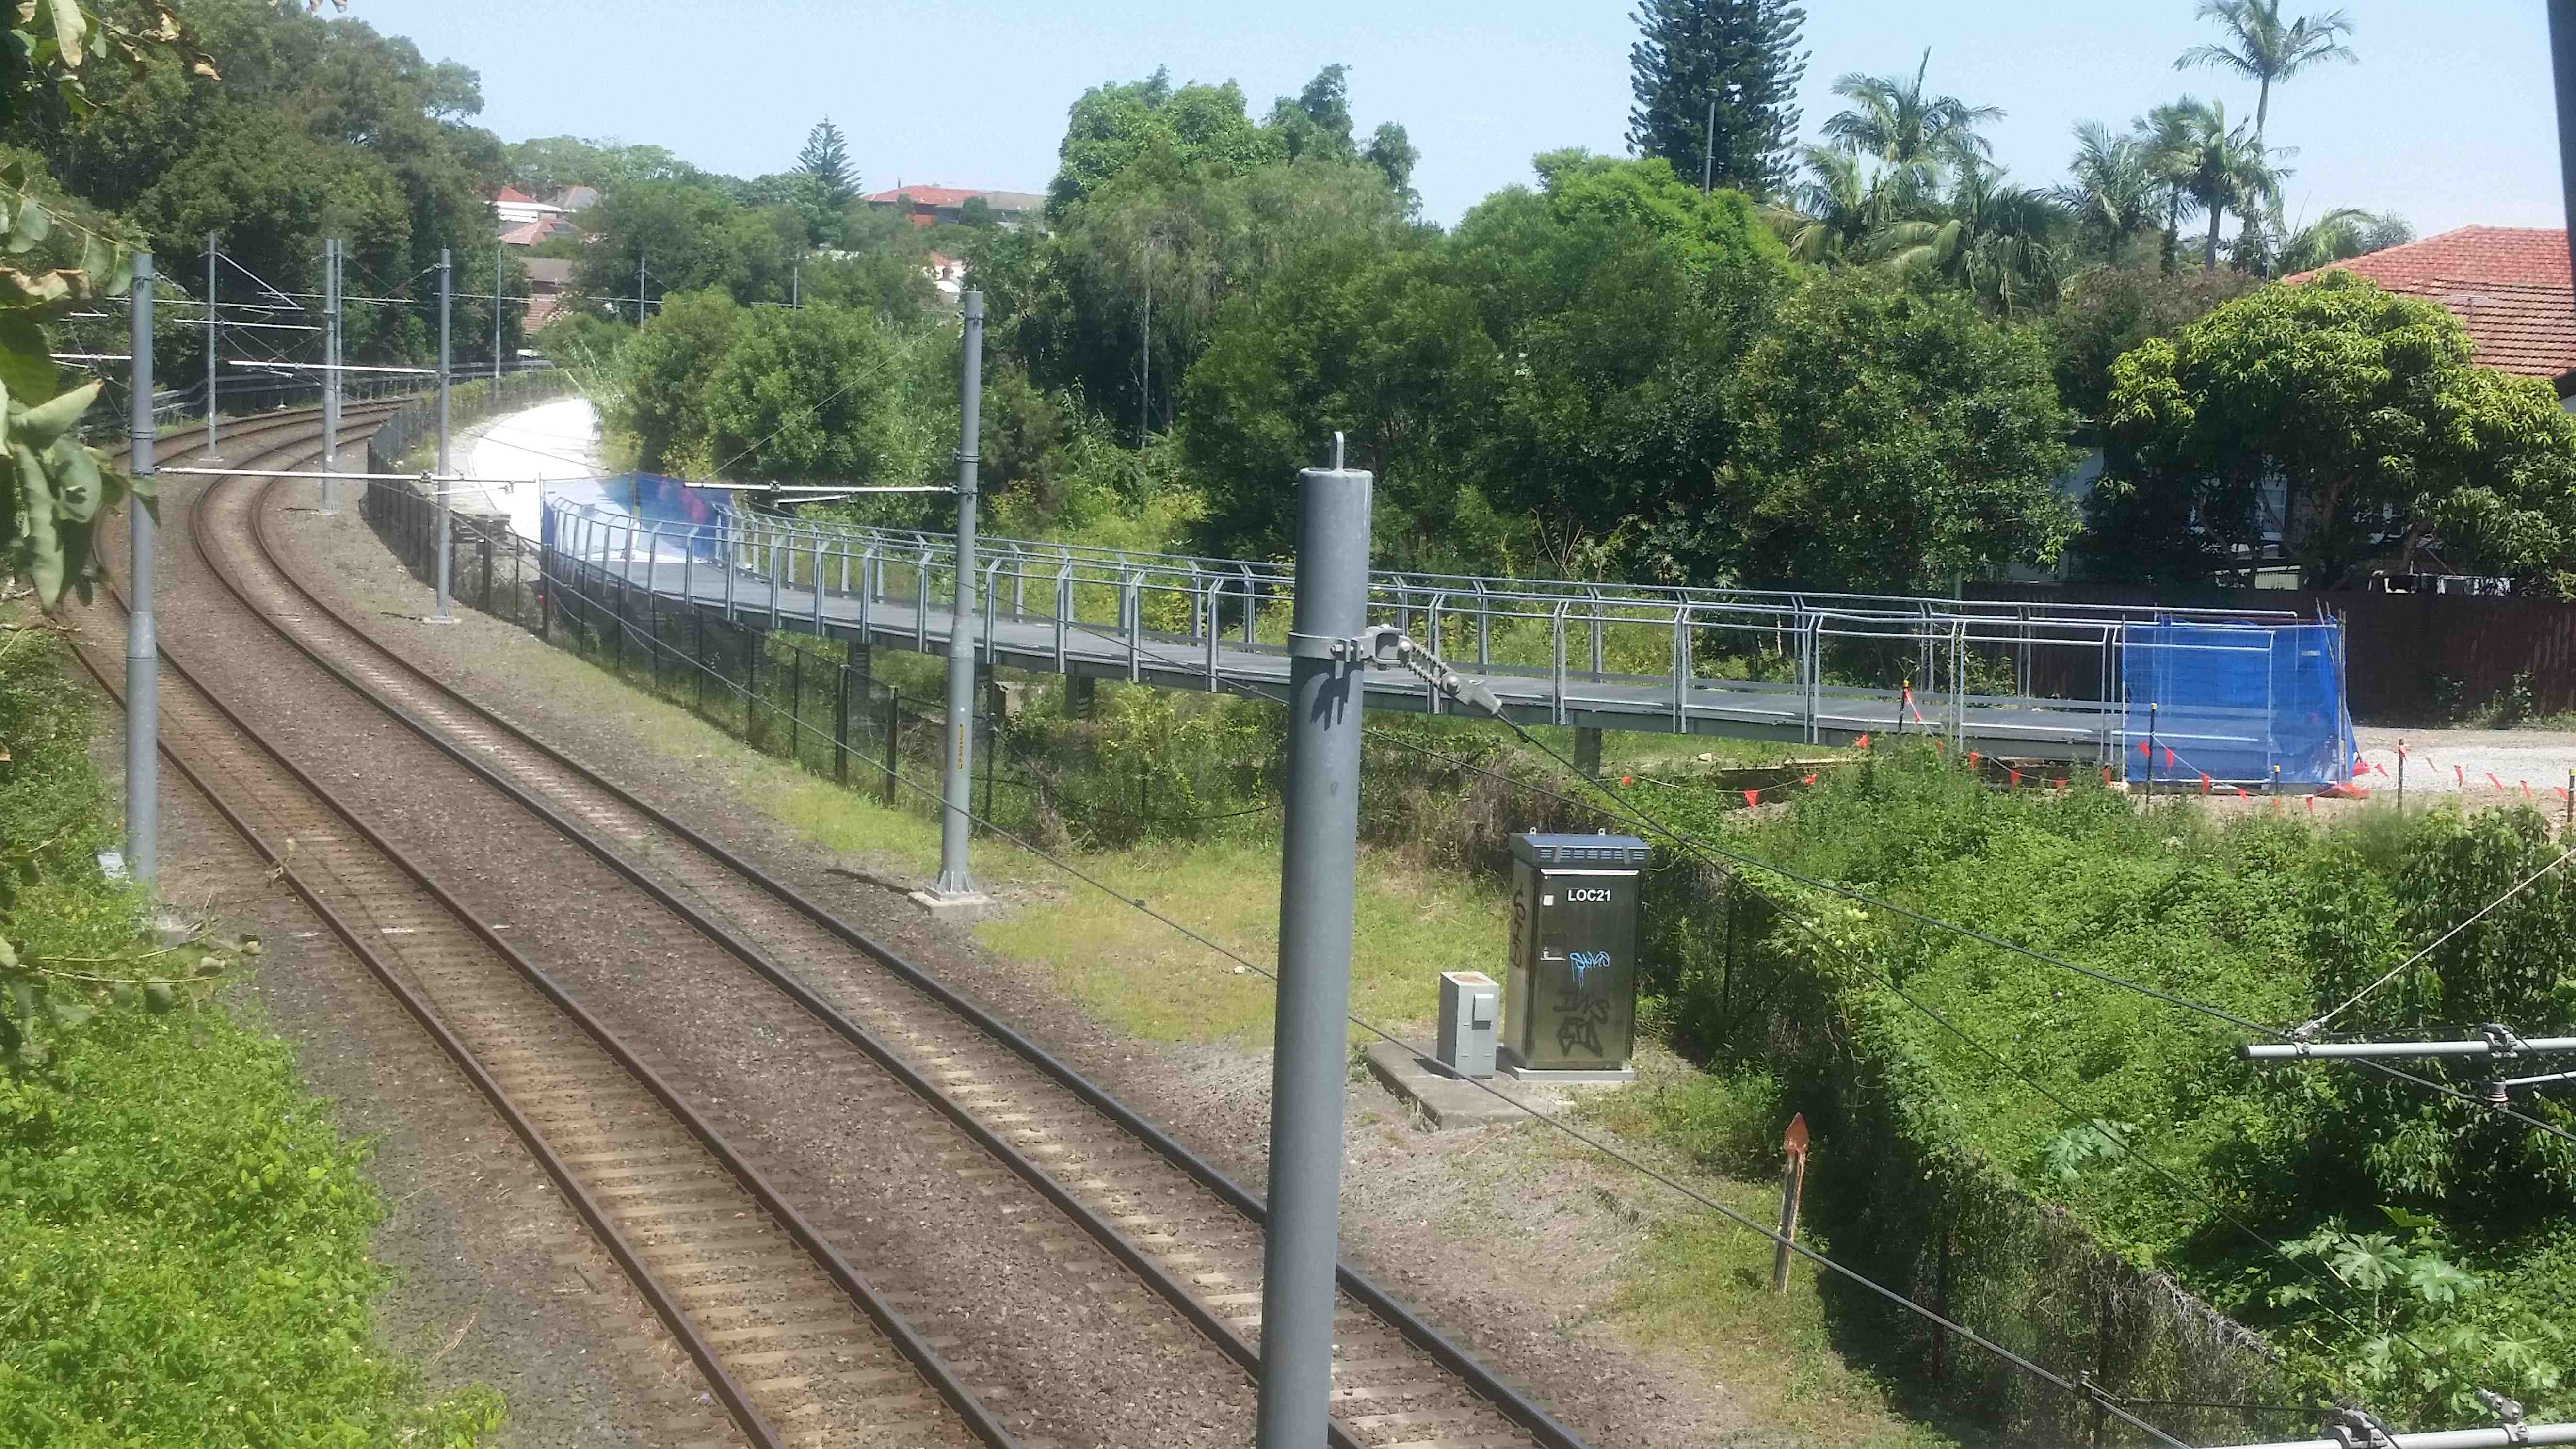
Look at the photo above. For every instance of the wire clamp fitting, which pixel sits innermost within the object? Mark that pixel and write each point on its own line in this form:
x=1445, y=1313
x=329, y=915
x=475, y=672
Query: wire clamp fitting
x=1381, y=646
x=2508, y=1414
x=2501, y=1040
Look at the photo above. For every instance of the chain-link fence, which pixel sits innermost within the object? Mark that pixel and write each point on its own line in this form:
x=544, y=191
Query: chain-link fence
x=491, y=568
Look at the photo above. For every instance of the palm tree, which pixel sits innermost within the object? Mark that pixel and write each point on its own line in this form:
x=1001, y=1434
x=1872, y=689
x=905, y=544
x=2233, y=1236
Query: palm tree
x=2113, y=189
x=1905, y=129
x=1832, y=216
x=2263, y=50
x=2222, y=168
x=2340, y=235
x=2164, y=141
x=2259, y=47
x=1999, y=241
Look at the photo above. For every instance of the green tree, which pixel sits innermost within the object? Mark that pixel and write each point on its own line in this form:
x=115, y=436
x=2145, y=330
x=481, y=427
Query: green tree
x=1743, y=56
x=1547, y=384
x=688, y=236
x=2164, y=137
x=2221, y=167
x=2366, y=406
x=667, y=369
x=2112, y=190
x=1893, y=122
x=2105, y=312
x=825, y=163
x=810, y=395
x=1888, y=440
x=2262, y=48
x=1392, y=152
x=1317, y=122
x=2259, y=47
x=1999, y=242
x=2340, y=235
x=1113, y=126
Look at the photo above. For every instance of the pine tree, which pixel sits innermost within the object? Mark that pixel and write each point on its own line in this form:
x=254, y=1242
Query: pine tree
x=826, y=162
x=1742, y=52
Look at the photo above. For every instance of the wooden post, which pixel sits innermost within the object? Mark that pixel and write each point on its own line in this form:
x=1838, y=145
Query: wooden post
x=1793, y=1186
x=894, y=757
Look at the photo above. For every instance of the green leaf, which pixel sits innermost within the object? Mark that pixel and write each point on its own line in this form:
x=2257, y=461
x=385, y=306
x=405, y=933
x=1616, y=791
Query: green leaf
x=30, y=226
x=68, y=25
x=8, y=954
x=156, y=997
x=27, y=368
x=78, y=489
x=39, y=426
x=69, y=1014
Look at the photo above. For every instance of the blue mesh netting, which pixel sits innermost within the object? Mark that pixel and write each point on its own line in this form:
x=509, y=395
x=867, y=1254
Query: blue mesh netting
x=657, y=499
x=2233, y=702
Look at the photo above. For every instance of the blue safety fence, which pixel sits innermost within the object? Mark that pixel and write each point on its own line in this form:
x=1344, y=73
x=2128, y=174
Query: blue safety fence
x=668, y=501
x=2242, y=704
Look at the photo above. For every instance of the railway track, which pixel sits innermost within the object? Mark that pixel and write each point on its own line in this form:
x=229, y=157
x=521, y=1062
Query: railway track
x=1113, y=1182
x=794, y=1344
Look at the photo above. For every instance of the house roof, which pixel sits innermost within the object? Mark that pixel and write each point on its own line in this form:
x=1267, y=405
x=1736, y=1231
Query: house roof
x=511, y=193
x=2509, y=286
x=529, y=233
x=926, y=195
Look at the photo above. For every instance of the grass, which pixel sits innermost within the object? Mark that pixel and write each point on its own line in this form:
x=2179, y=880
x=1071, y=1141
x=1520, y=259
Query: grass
x=1412, y=924
x=1702, y=1285
x=183, y=1234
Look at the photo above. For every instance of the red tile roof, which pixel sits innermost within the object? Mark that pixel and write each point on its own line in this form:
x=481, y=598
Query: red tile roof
x=512, y=193
x=926, y=195
x=2508, y=285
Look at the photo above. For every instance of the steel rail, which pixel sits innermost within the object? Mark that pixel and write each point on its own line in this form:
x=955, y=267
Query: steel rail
x=1487, y=1385
x=647, y=1284
x=1154, y=1275
x=908, y=1341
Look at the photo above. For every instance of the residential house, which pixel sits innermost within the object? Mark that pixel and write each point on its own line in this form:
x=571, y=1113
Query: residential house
x=517, y=208
x=948, y=274
x=2508, y=285
x=548, y=279
x=934, y=205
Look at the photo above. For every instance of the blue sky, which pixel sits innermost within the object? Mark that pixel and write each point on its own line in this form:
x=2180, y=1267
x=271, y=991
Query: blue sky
x=2447, y=120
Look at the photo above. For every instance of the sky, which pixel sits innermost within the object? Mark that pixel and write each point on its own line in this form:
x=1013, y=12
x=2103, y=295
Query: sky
x=2447, y=120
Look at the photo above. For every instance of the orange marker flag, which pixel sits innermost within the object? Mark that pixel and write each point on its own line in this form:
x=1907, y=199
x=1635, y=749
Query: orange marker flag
x=2016, y=776
x=2204, y=784
x=2240, y=792
x=2312, y=804
x=2106, y=774
x=2142, y=748
x=1972, y=758
x=2382, y=769
x=2526, y=789
x=2169, y=757
x=2459, y=779
x=2057, y=784
x=1752, y=798
x=2492, y=780
x=1862, y=743
x=1806, y=779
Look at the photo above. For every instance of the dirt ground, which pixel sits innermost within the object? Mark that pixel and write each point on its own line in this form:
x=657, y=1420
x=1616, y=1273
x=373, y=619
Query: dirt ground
x=1491, y=1234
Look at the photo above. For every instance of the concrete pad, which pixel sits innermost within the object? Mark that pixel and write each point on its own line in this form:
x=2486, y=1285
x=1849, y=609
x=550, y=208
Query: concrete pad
x=1555, y=1076
x=971, y=906
x=1445, y=1100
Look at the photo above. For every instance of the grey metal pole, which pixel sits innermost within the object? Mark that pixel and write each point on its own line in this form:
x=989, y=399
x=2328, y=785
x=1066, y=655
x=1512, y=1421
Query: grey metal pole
x=331, y=375
x=2562, y=55
x=142, y=649
x=212, y=330
x=438, y=612
x=1708, y=149
x=498, y=258
x=1318, y=875
x=957, y=775
x=639, y=289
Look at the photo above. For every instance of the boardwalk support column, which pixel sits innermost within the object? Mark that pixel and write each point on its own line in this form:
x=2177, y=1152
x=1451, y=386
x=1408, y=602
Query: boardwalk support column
x=1587, y=750
x=954, y=894
x=142, y=649
x=439, y=613
x=1317, y=878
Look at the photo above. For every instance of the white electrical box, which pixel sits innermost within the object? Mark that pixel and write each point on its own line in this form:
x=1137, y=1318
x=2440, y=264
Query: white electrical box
x=1471, y=1008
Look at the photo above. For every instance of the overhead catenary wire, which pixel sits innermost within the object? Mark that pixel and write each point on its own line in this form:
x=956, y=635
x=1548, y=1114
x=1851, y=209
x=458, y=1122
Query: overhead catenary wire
x=2320, y=1023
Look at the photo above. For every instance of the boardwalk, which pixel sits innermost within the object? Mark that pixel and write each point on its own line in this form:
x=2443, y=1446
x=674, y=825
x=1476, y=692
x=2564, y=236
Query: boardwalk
x=1551, y=653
